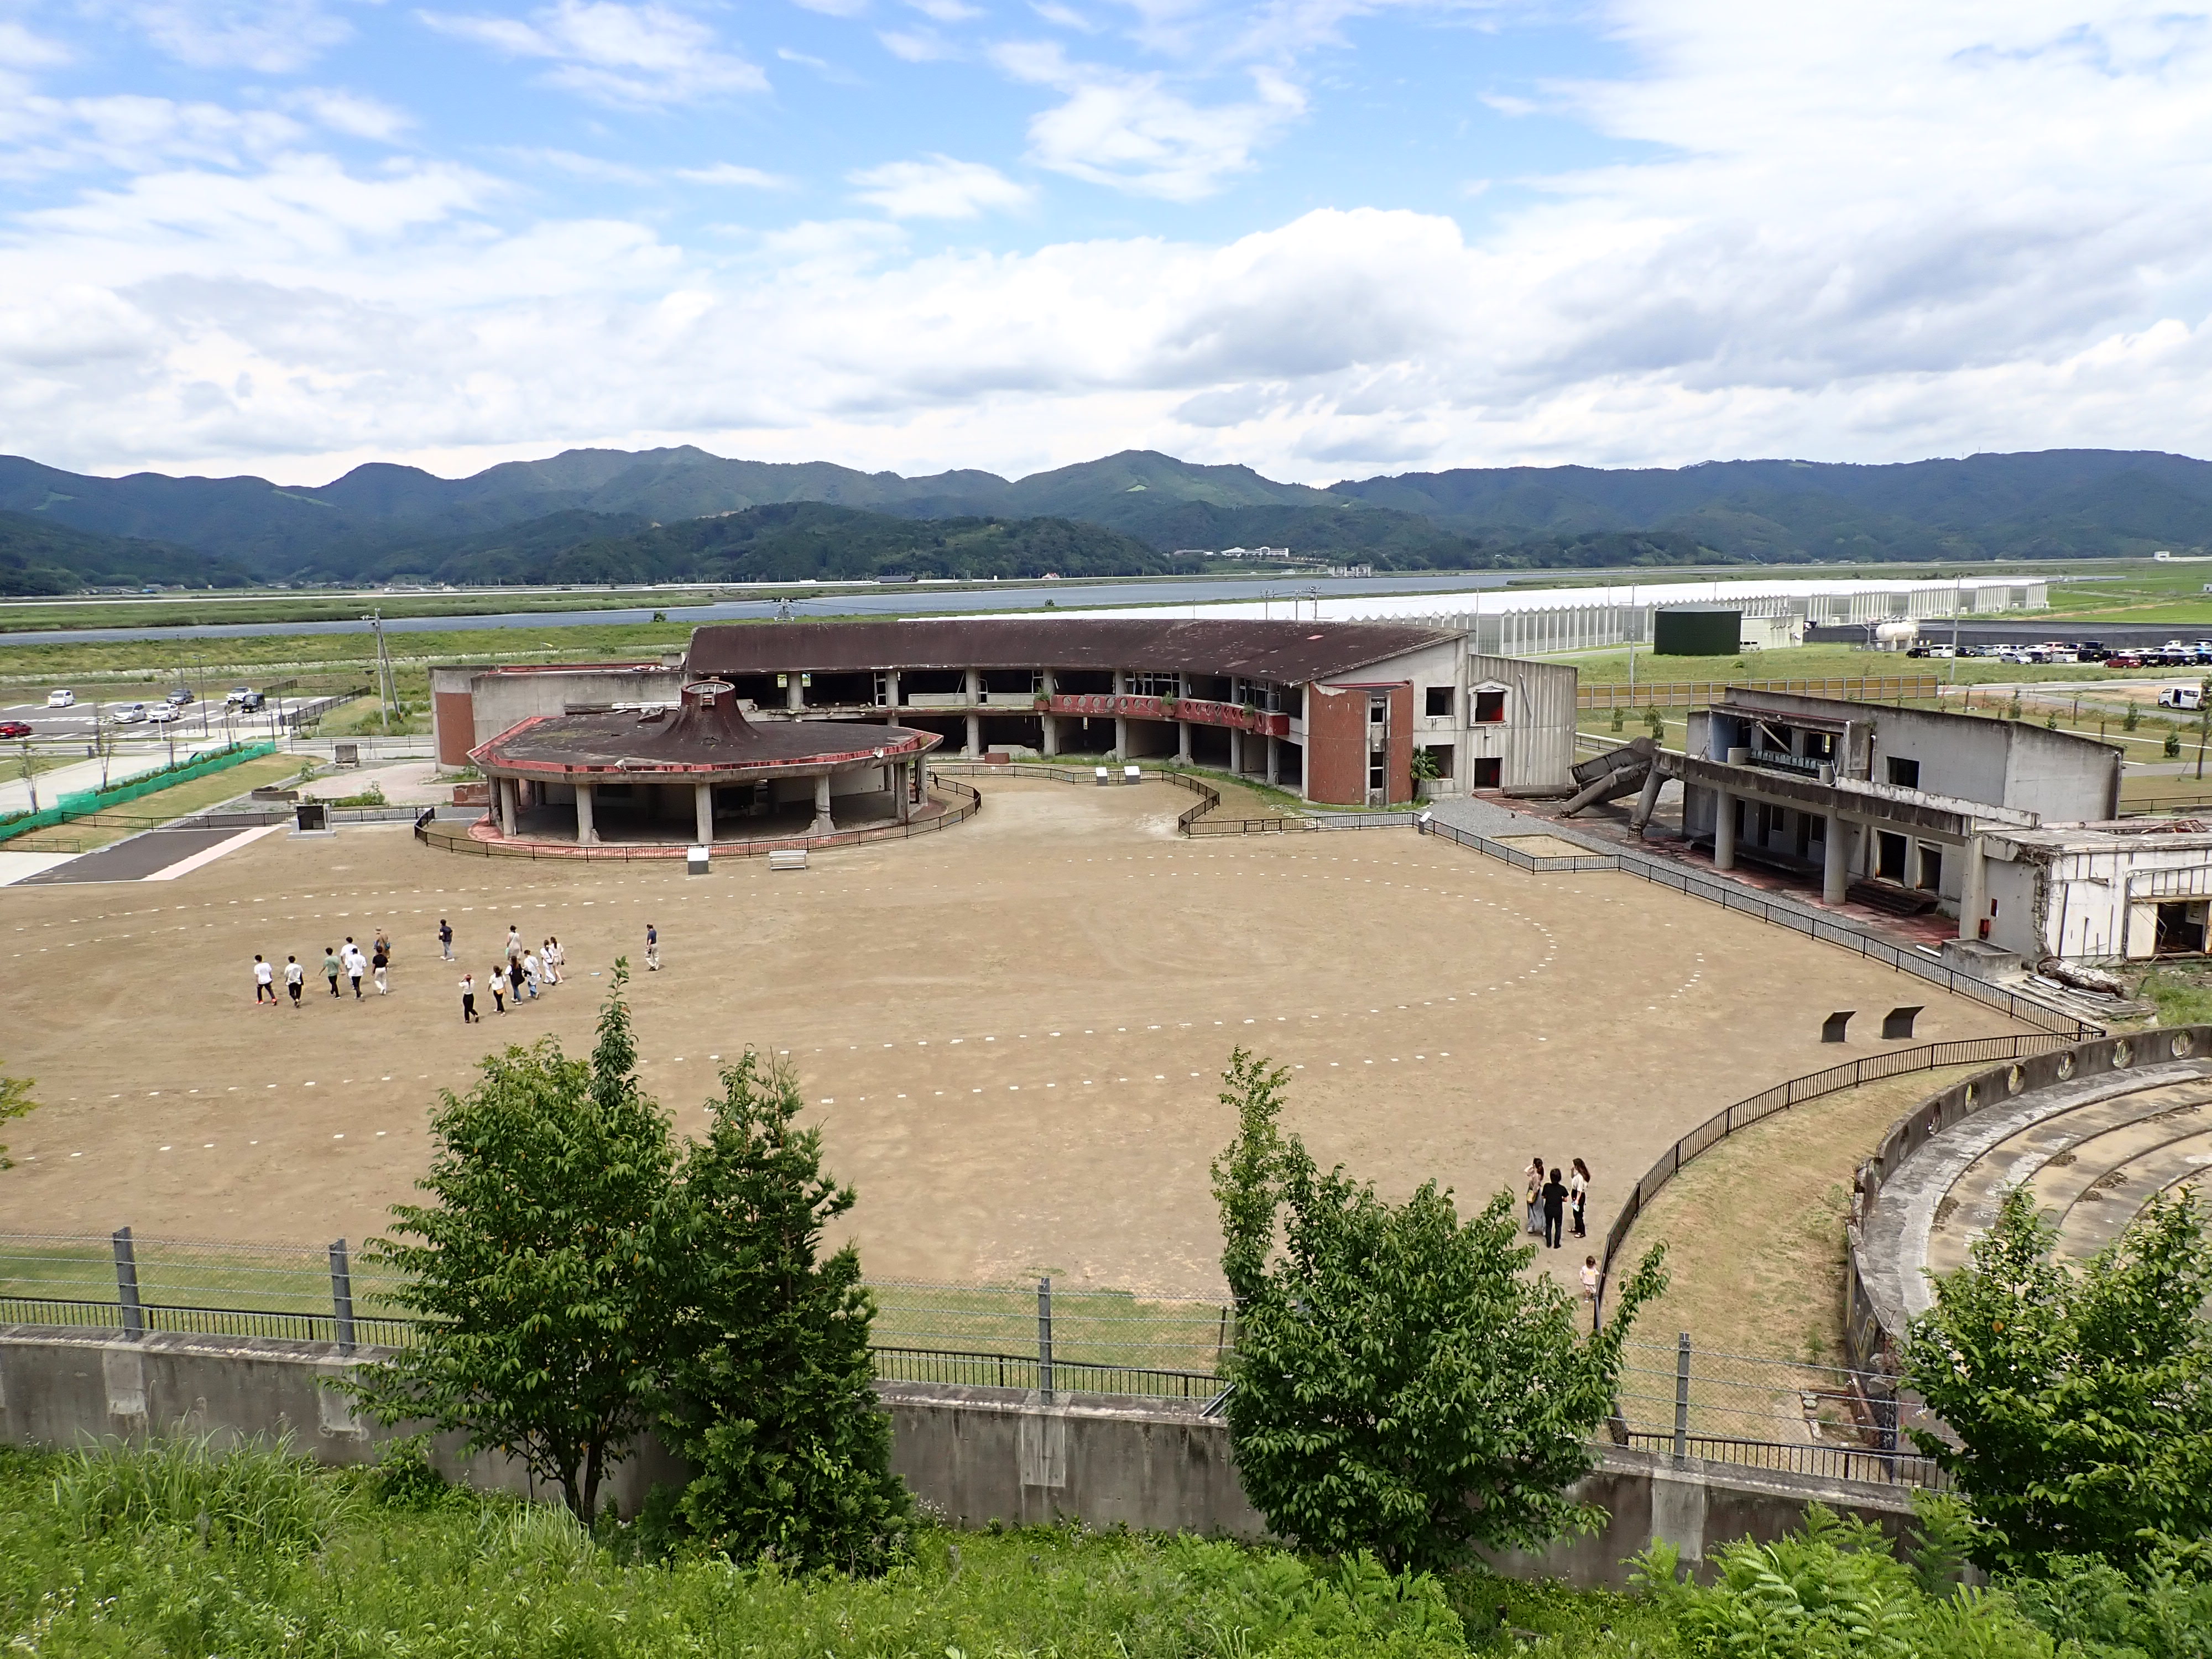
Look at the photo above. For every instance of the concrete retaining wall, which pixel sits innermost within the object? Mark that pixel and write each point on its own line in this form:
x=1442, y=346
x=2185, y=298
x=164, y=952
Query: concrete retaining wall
x=973, y=1456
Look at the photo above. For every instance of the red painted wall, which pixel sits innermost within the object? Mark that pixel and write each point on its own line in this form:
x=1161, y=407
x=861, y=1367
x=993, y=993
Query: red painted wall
x=1336, y=743
x=456, y=715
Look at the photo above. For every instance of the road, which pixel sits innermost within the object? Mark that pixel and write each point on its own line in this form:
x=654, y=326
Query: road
x=870, y=601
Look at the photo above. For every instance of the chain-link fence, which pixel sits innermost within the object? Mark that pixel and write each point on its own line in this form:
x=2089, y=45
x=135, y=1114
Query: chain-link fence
x=1781, y=1414
x=1798, y=1417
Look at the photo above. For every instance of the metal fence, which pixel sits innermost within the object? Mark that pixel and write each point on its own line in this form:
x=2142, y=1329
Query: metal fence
x=1700, y=693
x=1898, y=1062
x=1799, y=1417
x=1039, y=1338
x=1197, y=821
x=450, y=839
x=1730, y=895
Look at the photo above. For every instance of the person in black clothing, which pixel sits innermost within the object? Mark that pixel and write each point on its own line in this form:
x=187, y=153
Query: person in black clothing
x=1555, y=1209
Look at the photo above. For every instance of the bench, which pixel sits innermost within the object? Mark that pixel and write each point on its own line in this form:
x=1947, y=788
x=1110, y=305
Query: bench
x=787, y=858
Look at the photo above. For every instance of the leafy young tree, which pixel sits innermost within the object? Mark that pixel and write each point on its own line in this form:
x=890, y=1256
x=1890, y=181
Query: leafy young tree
x=772, y=1401
x=2082, y=1399
x=543, y=1265
x=15, y=1102
x=1402, y=1385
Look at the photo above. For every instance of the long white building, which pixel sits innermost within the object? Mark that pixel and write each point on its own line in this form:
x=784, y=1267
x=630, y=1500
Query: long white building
x=1525, y=622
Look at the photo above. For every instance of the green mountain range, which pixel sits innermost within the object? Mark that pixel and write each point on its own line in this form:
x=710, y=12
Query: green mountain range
x=628, y=516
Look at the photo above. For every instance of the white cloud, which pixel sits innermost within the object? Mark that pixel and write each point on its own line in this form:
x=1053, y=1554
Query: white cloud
x=917, y=45
x=275, y=37
x=1067, y=17
x=353, y=113
x=1134, y=133
x=946, y=11
x=834, y=7
x=21, y=50
x=1858, y=231
x=729, y=173
x=938, y=187
x=613, y=52
x=594, y=168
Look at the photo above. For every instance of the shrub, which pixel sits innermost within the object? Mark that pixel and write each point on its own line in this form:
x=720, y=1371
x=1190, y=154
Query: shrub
x=253, y=1495
x=1402, y=1385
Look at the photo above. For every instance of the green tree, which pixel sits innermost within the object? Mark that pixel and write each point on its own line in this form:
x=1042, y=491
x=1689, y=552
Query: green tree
x=772, y=1398
x=1402, y=1384
x=541, y=1271
x=2081, y=1399
x=15, y=1102
x=2132, y=719
x=1655, y=723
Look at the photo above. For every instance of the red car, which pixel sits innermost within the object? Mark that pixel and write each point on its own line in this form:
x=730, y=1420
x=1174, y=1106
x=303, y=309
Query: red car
x=15, y=728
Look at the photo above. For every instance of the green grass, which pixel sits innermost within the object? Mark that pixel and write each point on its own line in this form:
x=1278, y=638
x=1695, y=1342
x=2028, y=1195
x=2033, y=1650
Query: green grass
x=176, y=1551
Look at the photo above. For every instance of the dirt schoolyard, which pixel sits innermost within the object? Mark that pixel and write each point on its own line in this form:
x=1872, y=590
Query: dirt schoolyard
x=1012, y=1031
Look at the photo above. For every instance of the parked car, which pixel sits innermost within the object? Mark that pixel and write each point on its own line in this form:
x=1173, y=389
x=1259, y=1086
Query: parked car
x=15, y=728
x=161, y=713
x=2124, y=660
x=63, y=699
x=129, y=713
x=2181, y=696
x=181, y=696
x=251, y=702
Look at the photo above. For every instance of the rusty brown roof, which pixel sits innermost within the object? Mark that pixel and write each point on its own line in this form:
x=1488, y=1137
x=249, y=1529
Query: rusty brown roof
x=1289, y=653
x=692, y=740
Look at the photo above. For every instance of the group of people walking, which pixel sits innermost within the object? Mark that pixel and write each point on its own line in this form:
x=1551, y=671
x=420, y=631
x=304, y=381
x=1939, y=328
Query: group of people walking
x=347, y=962
x=521, y=972
x=1554, y=1202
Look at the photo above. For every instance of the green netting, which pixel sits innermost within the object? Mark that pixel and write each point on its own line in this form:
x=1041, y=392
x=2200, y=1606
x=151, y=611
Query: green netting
x=85, y=802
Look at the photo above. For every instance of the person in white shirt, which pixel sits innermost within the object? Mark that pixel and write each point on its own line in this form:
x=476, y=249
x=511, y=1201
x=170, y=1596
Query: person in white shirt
x=469, y=1000
x=513, y=941
x=265, y=982
x=529, y=973
x=548, y=965
x=355, y=965
x=295, y=976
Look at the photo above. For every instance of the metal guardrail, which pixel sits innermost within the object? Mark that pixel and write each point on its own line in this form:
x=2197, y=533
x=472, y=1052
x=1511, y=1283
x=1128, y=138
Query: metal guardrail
x=1790, y=1457
x=1699, y=694
x=1730, y=897
x=462, y=841
x=1796, y=1092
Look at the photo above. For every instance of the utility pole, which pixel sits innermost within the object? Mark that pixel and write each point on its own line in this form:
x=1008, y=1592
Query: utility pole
x=1635, y=633
x=375, y=620
x=30, y=776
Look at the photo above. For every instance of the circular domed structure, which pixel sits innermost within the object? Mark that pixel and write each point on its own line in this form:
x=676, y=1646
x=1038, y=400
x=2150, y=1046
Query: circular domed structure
x=673, y=777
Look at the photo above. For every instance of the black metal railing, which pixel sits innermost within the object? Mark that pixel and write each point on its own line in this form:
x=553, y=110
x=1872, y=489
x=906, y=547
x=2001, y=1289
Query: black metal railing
x=1808, y=1458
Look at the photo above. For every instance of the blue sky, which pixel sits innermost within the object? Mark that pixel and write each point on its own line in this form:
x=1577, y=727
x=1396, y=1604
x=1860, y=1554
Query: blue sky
x=1323, y=237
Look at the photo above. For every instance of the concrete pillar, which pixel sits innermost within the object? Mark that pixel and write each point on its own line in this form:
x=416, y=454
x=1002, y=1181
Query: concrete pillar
x=506, y=806
x=1836, y=861
x=1183, y=741
x=586, y=834
x=975, y=736
x=795, y=690
x=821, y=825
x=1051, y=736
x=891, y=687
x=1121, y=738
x=975, y=685
x=1274, y=764
x=702, y=801
x=1724, y=830
x=902, y=777
x=1974, y=890
x=1647, y=801
x=1236, y=751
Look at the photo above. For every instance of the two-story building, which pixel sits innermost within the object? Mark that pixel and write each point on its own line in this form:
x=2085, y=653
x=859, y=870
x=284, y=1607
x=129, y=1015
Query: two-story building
x=1900, y=797
x=1334, y=711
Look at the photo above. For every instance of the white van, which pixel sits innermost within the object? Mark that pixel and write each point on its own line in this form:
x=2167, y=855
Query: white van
x=2181, y=696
